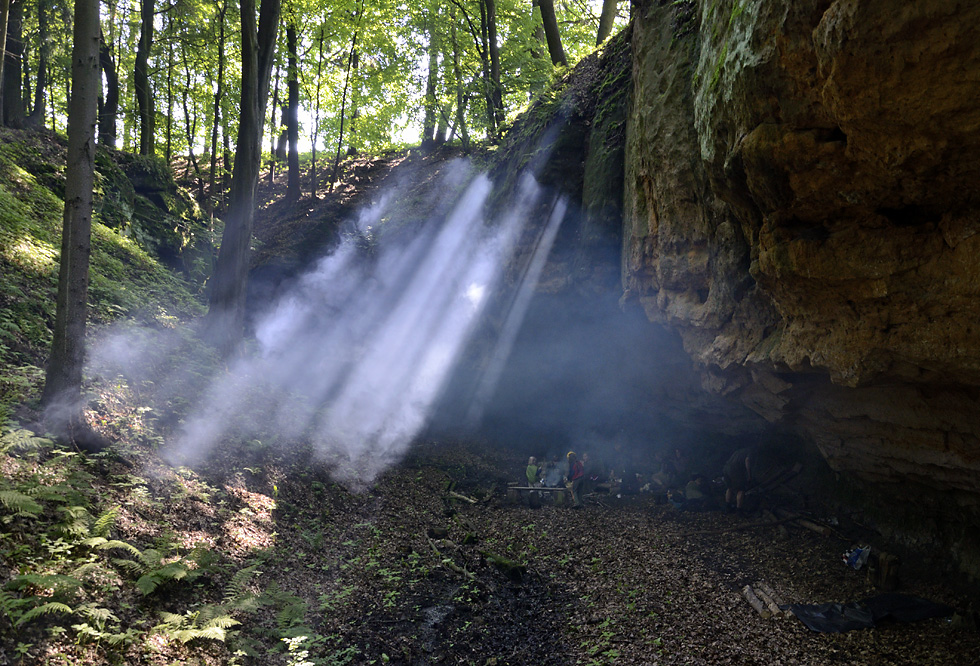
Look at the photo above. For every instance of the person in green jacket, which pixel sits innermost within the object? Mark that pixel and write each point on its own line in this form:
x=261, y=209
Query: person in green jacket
x=532, y=472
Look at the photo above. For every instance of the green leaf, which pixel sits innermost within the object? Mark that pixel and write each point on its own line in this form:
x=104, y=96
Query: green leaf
x=105, y=522
x=20, y=503
x=101, y=543
x=45, y=609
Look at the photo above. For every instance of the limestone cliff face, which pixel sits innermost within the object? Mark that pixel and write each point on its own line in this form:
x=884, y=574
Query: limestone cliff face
x=802, y=204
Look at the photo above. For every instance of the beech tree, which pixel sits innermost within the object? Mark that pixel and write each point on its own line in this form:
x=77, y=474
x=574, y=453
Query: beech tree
x=110, y=102
x=606, y=20
x=226, y=314
x=36, y=116
x=432, y=75
x=551, y=32
x=13, y=101
x=219, y=91
x=292, y=111
x=63, y=380
x=141, y=79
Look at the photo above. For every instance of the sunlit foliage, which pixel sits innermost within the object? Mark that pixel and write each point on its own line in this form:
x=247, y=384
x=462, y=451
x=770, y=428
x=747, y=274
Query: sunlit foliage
x=363, y=65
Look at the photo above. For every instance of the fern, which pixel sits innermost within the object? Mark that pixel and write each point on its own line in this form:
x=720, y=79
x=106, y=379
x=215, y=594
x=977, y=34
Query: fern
x=9, y=605
x=292, y=614
x=131, y=567
x=97, y=614
x=78, y=517
x=56, y=582
x=22, y=439
x=149, y=582
x=171, y=619
x=151, y=558
x=20, y=504
x=85, y=630
x=105, y=522
x=124, y=638
x=45, y=609
x=101, y=543
x=88, y=569
x=58, y=492
x=185, y=628
x=236, y=589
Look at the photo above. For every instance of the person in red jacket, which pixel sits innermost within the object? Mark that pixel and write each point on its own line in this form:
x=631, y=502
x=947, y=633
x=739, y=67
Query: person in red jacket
x=576, y=475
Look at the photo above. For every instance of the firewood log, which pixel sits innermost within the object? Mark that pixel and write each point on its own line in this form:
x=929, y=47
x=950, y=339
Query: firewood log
x=754, y=601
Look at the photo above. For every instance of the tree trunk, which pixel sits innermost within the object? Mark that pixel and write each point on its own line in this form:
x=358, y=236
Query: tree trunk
x=355, y=111
x=36, y=118
x=432, y=81
x=13, y=102
x=316, y=116
x=537, y=85
x=227, y=162
x=292, y=114
x=226, y=315
x=496, y=93
x=485, y=61
x=107, y=117
x=25, y=86
x=218, y=92
x=4, y=23
x=606, y=20
x=273, y=131
x=550, y=23
x=141, y=78
x=190, y=129
x=63, y=381
x=464, y=137
x=442, y=127
x=343, y=107
x=169, y=149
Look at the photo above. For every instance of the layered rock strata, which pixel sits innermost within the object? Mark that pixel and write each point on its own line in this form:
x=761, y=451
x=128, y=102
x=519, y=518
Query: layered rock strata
x=802, y=205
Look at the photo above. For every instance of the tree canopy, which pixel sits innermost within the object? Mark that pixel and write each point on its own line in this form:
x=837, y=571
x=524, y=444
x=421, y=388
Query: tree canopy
x=368, y=75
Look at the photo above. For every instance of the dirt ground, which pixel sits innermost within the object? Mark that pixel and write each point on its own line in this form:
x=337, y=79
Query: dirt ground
x=431, y=564
x=408, y=573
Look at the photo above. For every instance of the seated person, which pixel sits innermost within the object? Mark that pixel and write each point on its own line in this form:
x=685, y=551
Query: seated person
x=694, y=497
x=533, y=472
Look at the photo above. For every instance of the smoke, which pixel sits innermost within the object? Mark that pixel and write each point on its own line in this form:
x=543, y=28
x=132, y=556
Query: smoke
x=354, y=355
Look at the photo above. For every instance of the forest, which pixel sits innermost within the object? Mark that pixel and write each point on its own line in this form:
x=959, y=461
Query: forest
x=345, y=77
x=243, y=248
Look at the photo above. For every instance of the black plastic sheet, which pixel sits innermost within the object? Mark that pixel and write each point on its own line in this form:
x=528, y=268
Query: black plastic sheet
x=864, y=614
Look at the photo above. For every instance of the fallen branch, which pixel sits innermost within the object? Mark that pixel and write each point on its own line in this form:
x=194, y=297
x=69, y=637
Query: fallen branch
x=814, y=527
x=449, y=563
x=456, y=495
x=513, y=570
x=819, y=528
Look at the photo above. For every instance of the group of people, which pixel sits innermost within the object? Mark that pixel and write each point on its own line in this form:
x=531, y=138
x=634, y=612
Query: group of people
x=685, y=489
x=738, y=477
x=572, y=474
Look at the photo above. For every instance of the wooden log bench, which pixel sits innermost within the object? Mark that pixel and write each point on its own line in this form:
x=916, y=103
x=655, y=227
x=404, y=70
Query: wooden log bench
x=561, y=495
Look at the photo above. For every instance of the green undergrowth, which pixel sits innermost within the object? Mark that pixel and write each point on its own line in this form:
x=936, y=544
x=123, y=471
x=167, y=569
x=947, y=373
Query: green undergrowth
x=77, y=587
x=126, y=281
